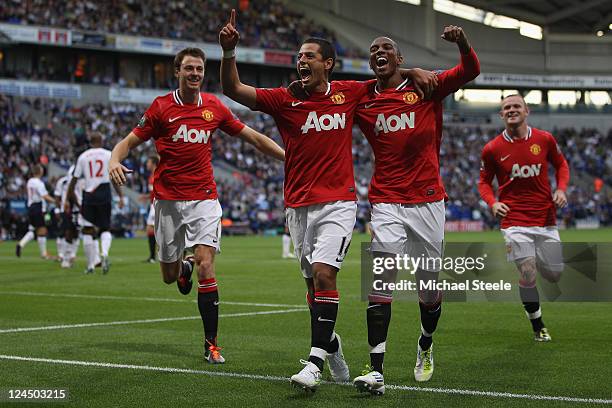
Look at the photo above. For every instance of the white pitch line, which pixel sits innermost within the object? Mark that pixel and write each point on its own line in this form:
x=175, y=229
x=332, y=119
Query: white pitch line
x=148, y=299
x=453, y=391
x=124, y=322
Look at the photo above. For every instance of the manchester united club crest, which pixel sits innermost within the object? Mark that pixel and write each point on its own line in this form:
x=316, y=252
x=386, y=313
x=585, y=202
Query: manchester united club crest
x=338, y=98
x=207, y=115
x=535, y=149
x=410, y=98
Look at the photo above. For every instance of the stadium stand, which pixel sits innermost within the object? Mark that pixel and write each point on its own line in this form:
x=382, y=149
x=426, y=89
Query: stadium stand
x=277, y=27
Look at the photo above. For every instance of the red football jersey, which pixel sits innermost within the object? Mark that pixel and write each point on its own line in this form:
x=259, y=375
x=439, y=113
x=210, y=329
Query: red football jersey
x=317, y=134
x=521, y=169
x=182, y=135
x=405, y=133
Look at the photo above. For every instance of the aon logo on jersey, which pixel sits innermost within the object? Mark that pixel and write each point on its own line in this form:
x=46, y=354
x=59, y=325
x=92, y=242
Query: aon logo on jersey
x=191, y=135
x=526, y=171
x=393, y=123
x=324, y=122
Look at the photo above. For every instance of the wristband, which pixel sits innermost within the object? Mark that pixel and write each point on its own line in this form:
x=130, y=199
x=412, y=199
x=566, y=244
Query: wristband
x=229, y=53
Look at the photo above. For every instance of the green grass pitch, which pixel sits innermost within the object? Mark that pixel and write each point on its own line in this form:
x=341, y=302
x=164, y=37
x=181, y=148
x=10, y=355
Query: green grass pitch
x=481, y=347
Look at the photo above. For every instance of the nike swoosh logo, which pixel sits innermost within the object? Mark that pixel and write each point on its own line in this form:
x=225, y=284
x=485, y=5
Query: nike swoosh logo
x=368, y=105
x=374, y=305
x=325, y=320
x=216, y=303
x=294, y=104
x=504, y=158
x=173, y=119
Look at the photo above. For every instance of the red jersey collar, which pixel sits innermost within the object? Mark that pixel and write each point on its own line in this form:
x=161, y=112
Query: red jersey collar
x=177, y=98
x=511, y=140
x=398, y=88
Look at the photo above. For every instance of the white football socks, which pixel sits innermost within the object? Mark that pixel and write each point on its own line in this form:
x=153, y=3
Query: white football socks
x=106, y=237
x=26, y=238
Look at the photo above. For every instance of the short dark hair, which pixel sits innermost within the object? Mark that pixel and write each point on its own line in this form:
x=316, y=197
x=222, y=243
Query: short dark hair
x=326, y=48
x=38, y=169
x=96, y=139
x=154, y=159
x=192, y=52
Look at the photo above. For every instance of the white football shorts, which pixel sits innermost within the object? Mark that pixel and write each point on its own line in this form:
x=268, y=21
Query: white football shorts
x=184, y=224
x=321, y=233
x=543, y=243
x=151, y=215
x=412, y=229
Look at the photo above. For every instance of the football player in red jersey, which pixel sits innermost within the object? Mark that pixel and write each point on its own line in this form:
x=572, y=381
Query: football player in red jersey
x=319, y=188
x=406, y=191
x=518, y=158
x=187, y=211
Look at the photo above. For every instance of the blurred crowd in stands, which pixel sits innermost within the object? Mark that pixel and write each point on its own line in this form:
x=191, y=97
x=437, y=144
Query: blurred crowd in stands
x=262, y=23
x=251, y=185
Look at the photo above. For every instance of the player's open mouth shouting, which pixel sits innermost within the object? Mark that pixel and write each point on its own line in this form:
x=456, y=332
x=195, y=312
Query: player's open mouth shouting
x=383, y=56
x=305, y=74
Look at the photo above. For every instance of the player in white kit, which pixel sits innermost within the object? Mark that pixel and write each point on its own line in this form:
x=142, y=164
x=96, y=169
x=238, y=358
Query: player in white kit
x=68, y=238
x=37, y=198
x=92, y=166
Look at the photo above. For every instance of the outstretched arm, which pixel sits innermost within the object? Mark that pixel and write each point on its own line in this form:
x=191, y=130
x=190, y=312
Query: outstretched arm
x=117, y=171
x=230, y=80
x=261, y=142
x=465, y=71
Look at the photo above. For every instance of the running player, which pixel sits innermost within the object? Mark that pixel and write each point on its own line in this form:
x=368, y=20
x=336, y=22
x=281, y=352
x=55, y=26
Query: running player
x=92, y=166
x=151, y=165
x=406, y=191
x=518, y=158
x=70, y=231
x=38, y=196
x=286, y=238
x=61, y=187
x=187, y=211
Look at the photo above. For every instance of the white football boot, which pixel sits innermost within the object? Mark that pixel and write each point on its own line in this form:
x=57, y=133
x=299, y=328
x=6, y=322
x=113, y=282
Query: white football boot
x=338, y=368
x=308, y=378
x=370, y=381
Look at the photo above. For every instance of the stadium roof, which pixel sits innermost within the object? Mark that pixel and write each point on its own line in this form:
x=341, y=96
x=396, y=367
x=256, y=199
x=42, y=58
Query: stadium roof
x=560, y=16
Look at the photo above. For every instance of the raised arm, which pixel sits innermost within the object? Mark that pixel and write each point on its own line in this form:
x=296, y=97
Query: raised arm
x=117, y=171
x=467, y=69
x=230, y=81
x=261, y=142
